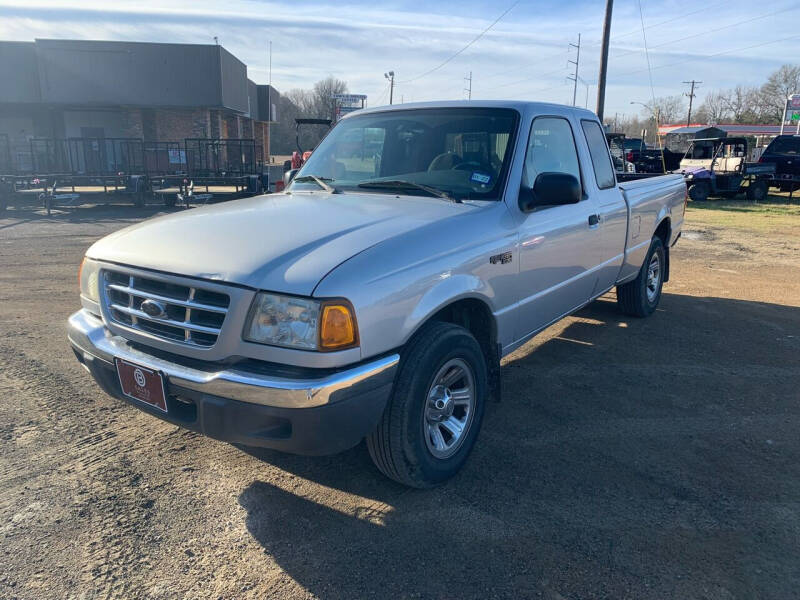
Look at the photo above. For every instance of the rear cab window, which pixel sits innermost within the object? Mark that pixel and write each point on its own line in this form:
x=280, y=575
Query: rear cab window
x=784, y=145
x=598, y=150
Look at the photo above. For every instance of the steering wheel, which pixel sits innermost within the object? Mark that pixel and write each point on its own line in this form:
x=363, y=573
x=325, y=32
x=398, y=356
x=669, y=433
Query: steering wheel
x=470, y=165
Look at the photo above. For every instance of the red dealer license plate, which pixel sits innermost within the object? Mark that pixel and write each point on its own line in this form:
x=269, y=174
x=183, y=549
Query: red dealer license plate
x=141, y=383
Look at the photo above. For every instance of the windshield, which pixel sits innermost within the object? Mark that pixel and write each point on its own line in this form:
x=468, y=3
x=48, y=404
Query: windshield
x=785, y=145
x=462, y=152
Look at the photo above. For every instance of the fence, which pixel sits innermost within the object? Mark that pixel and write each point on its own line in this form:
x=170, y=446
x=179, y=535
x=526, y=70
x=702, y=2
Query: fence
x=197, y=157
x=164, y=158
x=87, y=156
x=209, y=157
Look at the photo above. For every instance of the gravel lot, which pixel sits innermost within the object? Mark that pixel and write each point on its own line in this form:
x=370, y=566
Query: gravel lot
x=655, y=458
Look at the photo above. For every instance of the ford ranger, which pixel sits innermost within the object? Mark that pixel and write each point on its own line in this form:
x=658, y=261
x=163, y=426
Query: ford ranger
x=375, y=298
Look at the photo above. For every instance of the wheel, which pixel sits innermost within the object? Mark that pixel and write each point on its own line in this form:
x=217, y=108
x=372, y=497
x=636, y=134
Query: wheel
x=138, y=200
x=434, y=414
x=757, y=191
x=699, y=192
x=639, y=298
x=169, y=200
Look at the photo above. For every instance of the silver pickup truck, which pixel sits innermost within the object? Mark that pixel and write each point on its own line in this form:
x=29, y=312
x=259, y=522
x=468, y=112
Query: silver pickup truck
x=374, y=299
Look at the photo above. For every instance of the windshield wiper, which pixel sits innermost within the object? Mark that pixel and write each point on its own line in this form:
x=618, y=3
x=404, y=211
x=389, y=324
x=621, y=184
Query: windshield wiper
x=401, y=184
x=320, y=181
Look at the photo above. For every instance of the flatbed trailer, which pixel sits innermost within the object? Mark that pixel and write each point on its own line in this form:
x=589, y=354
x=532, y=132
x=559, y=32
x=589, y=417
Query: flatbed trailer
x=67, y=190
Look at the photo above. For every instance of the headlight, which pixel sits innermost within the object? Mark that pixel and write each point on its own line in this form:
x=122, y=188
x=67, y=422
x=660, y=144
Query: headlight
x=301, y=323
x=89, y=278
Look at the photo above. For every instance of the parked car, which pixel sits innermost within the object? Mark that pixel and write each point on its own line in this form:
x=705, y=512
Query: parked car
x=376, y=300
x=718, y=166
x=784, y=153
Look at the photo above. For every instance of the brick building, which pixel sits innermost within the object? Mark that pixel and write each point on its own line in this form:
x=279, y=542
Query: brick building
x=60, y=89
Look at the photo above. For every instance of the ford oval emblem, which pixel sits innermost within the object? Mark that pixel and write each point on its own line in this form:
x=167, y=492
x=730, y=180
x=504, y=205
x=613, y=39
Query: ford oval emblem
x=155, y=309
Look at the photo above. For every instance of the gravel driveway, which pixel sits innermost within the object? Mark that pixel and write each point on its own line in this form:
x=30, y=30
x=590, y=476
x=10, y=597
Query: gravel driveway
x=655, y=458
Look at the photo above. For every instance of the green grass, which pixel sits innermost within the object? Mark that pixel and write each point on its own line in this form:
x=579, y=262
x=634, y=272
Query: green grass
x=774, y=213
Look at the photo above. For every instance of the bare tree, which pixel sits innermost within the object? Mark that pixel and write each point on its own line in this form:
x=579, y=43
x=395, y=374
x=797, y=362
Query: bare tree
x=714, y=109
x=316, y=103
x=670, y=109
x=779, y=86
x=740, y=104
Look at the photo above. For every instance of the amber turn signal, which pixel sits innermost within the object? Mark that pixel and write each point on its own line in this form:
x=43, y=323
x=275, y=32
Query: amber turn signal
x=338, y=327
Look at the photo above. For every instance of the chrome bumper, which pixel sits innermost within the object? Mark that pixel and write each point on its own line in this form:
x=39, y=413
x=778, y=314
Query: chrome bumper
x=88, y=335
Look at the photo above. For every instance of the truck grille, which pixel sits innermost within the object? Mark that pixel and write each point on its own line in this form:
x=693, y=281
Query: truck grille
x=190, y=315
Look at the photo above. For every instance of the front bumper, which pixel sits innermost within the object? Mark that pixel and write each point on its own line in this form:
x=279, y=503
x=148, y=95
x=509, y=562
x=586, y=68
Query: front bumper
x=306, y=413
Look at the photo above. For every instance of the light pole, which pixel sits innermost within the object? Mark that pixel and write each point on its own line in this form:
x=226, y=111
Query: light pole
x=390, y=77
x=655, y=114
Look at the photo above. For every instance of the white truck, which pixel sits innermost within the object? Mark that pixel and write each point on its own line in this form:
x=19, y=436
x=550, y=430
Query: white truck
x=374, y=299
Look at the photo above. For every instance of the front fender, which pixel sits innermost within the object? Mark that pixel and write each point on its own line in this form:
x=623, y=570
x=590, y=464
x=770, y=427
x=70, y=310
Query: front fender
x=448, y=290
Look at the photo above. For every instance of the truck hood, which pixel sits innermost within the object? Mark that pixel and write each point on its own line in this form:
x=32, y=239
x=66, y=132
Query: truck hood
x=278, y=242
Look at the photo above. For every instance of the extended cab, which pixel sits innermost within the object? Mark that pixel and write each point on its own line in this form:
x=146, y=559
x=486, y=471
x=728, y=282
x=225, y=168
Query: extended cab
x=375, y=298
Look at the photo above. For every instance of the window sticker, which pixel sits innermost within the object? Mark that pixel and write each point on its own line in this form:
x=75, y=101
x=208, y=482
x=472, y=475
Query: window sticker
x=481, y=178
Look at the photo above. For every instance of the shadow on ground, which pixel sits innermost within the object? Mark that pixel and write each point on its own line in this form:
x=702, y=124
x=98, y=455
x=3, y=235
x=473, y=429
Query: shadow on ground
x=99, y=213
x=628, y=458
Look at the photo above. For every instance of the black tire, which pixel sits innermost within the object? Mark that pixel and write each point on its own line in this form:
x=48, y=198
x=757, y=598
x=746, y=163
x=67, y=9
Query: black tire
x=699, y=192
x=398, y=445
x=169, y=200
x=633, y=297
x=757, y=191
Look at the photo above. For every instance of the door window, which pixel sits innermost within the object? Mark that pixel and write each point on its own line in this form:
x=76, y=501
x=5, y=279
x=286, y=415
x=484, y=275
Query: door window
x=551, y=149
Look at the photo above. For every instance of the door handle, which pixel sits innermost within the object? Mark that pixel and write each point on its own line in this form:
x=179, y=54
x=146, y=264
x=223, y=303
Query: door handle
x=594, y=220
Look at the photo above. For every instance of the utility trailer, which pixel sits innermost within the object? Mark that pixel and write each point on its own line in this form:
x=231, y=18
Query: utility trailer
x=67, y=191
x=719, y=167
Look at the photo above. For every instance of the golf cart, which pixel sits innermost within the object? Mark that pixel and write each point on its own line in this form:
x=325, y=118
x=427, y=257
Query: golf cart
x=718, y=167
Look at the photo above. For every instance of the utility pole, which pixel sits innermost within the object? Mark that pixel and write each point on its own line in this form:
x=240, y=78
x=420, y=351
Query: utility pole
x=601, y=78
x=468, y=89
x=575, y=62
x=390, y=77
x=268, y=153
x=691, y=96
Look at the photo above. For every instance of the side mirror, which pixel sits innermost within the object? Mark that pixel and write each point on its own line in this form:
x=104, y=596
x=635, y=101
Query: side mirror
x=551, y=189
x=289, y=175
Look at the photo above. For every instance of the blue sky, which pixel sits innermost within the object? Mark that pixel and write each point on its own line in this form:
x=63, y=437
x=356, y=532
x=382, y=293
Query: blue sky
x=524, y=56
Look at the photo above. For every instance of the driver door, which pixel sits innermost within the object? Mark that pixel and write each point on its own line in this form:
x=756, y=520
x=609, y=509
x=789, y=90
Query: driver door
x=559, y=245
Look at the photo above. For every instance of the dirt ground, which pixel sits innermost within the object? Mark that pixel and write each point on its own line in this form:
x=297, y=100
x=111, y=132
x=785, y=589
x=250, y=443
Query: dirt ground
x=655, y=458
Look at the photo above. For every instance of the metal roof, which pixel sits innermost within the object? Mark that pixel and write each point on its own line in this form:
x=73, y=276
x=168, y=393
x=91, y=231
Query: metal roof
x=731, y=128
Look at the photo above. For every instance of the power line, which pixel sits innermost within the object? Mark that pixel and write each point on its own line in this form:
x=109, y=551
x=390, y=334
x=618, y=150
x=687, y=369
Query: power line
x=694, y=58
x=652, y=88
x=559, y=70
x=475, y=39
x=706, y=32
x=548, y=58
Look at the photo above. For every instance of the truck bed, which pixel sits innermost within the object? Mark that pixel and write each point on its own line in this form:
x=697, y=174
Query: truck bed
x=647, y=200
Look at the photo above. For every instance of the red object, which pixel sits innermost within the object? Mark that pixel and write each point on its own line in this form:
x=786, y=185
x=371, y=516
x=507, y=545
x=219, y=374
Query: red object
x=141, y=383
x=297, y=160
x=279, y=186
x=306, y=156
x=629, y=156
